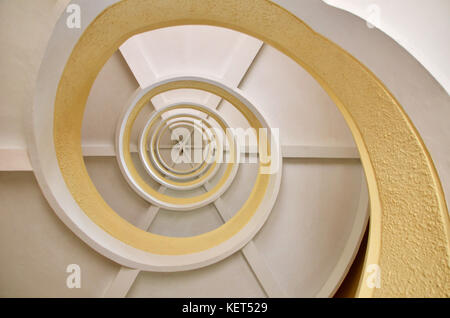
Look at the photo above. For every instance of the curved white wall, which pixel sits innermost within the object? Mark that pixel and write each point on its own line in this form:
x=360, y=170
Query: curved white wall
x=421, y=27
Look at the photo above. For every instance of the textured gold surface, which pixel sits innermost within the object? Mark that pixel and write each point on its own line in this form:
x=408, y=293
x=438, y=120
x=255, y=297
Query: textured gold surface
x=409, y=220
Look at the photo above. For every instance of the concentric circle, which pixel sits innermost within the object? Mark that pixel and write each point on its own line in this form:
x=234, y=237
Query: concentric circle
x=182, y=146
x=211, y=169
x=137, y=182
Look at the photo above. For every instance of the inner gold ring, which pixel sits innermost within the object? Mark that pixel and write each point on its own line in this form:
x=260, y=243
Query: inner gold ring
x=174, y=125
x=165, y=170
x=177, y=184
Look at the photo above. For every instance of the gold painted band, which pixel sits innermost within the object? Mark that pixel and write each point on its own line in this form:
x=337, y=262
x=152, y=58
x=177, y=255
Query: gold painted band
x=180, y=123
x=147, y=159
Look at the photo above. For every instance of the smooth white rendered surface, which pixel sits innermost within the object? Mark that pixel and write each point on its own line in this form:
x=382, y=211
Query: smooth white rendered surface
x=421, y=27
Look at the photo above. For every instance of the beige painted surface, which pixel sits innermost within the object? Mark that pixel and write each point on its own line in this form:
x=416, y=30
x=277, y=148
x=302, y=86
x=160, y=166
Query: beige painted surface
x=241, y=188
x=186, y=223
x=36, y=247
x=109, y=96
x=310, y=223
x=230, y=278
x=109, y=181
x=14, y=160
x=293, y=101
x=25, y=27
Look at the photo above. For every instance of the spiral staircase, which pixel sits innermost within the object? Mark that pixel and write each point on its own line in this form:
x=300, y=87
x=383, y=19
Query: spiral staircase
x=148, y=224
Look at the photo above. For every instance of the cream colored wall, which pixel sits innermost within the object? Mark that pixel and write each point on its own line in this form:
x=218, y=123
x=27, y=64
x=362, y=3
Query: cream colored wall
x=311, y=222
x=25, y=27
x=232, y=276
x=109, y=96
x=294, y=102
x=36, y=247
